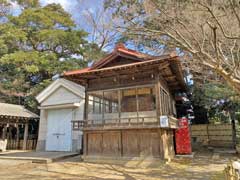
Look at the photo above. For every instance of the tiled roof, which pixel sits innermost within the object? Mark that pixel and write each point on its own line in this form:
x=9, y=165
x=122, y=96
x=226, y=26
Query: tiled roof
x=16, y=111
x=169, y=66
x=119, y=49
x=79, y=71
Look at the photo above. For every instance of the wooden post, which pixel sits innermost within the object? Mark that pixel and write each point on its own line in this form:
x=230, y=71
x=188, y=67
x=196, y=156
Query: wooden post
x=164, y=142
x=4, y=134
x=85, y=145
x=17, y=137
x=10, y=136
x=119, y=106
x=103, y=107
x=86, y=107
x=161, y=143
x=121, y=142
x=137, y=101
x=157, y=95
x=85, y=122
x=25, y=136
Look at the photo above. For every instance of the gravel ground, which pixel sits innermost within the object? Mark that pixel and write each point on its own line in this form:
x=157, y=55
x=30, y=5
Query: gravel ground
x=203, y=166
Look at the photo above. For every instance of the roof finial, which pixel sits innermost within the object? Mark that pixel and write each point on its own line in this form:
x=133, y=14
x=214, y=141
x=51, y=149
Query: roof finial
x=119, y=45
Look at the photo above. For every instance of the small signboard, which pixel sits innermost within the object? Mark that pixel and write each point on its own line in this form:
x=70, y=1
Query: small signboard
x=164, y=121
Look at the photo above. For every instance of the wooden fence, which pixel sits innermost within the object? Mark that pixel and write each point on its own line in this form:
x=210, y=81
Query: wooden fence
x=13, y=144
x=219, y=135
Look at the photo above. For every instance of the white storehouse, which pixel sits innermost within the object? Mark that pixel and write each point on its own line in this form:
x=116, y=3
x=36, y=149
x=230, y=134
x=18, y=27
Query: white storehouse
x=61, y=103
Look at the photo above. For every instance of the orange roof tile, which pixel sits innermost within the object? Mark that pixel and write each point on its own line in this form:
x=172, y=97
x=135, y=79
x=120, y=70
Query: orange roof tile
x=79, y=71
x=119, y=49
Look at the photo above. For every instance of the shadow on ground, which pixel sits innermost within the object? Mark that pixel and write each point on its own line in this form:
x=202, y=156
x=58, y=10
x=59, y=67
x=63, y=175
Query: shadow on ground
x=202, y=167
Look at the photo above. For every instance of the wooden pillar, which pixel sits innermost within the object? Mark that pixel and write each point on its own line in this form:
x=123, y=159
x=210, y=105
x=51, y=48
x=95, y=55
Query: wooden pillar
x=10, y=133
x=158, y=99
x=160, y=96
x=121, y=142
x=4, y=134
x=164, y=144
x=25, y=136
x=137, y=103
x=86, y=107
x=85, y=145
x=85, y=121
x=17, y=135
x=119, y=106
x=102, y=106
x=158, y=114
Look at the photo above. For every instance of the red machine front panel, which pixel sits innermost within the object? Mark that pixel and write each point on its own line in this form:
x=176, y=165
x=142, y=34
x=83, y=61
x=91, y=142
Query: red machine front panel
x=183, y=137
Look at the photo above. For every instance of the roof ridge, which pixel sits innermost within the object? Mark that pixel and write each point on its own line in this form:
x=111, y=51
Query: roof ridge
x=119, y=48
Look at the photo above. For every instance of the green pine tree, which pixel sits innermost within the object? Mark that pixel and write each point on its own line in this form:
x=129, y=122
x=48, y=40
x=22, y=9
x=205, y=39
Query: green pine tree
x=36, y=45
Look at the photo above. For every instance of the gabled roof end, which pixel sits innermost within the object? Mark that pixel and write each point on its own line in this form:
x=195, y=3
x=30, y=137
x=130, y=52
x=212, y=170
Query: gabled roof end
x=71, y=86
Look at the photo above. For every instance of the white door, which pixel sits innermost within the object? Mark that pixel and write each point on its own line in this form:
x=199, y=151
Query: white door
x=59, y=137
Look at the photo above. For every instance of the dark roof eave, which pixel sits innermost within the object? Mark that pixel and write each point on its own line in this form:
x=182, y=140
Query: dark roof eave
x=123, y=66
x=172, y=60
x=18, y=117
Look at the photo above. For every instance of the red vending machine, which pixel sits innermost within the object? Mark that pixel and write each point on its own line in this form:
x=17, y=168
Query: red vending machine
x=183, y=138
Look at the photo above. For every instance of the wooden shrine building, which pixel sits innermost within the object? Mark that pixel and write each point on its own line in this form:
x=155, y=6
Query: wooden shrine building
x=15, y=121
x=129, y=105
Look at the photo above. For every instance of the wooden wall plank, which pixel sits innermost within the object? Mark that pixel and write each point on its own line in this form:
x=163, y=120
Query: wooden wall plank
x=94, y=144
x=130, y=144
x=111, y=143
x=127, y=143
x=145, y=144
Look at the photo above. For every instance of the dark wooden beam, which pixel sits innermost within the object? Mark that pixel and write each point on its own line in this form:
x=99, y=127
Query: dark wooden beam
x=163, y=66
x=169, y=77
x=173, y=83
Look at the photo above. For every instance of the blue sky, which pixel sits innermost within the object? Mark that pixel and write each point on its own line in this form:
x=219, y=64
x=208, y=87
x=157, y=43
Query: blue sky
x=77, y=8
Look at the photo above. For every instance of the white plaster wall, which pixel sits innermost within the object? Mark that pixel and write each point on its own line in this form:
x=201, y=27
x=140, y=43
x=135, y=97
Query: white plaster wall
x=42, y=131
x=61, y=96
x=42, y=125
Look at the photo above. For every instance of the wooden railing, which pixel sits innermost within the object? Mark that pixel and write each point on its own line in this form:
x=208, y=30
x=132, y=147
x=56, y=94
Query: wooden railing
x=131, y=122
x=77, y=125
x=173, y=122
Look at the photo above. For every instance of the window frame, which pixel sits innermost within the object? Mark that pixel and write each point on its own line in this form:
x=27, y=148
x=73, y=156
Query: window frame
x=118, y=90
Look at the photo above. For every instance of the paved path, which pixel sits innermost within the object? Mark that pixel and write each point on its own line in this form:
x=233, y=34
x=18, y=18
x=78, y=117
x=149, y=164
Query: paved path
x=43, y=157
x=202, y=167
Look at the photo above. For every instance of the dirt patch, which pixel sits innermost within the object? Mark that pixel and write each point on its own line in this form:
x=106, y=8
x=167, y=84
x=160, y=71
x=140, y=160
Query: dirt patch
x=201, y=167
